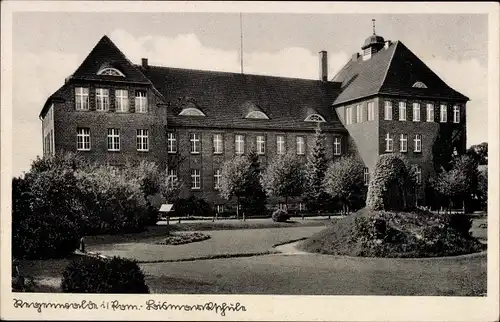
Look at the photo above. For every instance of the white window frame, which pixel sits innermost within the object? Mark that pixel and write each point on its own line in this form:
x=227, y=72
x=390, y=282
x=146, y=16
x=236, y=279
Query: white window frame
x=217, y=179
x=388, y=110
x=280, y=144
x=337, y=146
x=171, y=143
x=315, y=118
x=430, y=112
x=366, y=176
x=389, y=143
x=82, y=102
x=195, y=179
x=102, y=99
x=456, y=114
x=418, y=143
x=219, y=208
x=301, y=144
x=109, y=71
x=218, y=143
x=348, y=115
x=443, y=113
x=113, y=140
x=418, y=174
x=191, y=111
x=142, y=140
x=416, y=112
x=403, y=143
x=171, y=176
x=359, y=113
x=121, y=101
x=257, y=115
x=239, y=144
x=83, y=139
x=195, y=140
x=141, y=101
x=371, y=111
x=402, y=111
x=261, y=144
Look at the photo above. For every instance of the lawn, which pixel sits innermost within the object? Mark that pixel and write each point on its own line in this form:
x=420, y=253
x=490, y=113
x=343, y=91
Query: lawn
x=221, y=243
x=315, y=274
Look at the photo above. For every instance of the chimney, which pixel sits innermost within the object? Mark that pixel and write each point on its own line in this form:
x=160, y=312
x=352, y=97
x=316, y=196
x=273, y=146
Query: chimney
x=355, y=56
x=145, y=63
x=323, y=66
x=387, y=44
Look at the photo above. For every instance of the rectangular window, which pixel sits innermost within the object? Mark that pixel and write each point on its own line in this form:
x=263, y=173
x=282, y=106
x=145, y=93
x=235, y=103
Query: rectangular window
x=389, y=144
x=371, y=111
x=82, y=98
x=121, y=100
x=366, y=176
x=195, y=179
x=280, y=144
x=142, y=140
x=83, y=139
x=171, y=177
x=113, y=139
x=261, y=144
x=217, y=143
x=359, y=113
x=239, y=144
x=403, y=143
x=171, y=143
x=388, y=110
x=219, y=208
x=430, y=112
x=195, y=143
x=402, y=111
x=416, y=112
x=443, y=115
x=102, y=99
x=301, y=145
x=456, y=114
x=141, y=102
x=418, y=143
x=418, y=174
x=217, y=179
x=337, y=146
x=348, y=115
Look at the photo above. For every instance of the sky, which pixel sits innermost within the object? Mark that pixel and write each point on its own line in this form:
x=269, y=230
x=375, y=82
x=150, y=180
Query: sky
x=49, y=46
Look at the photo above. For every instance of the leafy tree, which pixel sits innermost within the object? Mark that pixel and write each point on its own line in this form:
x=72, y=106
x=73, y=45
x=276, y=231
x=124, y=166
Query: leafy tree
x=254, y=197
x=461, y=182
x=316, y=197
x=344, y=181
x=284, y=177
x=234, y=178
x=479, y=152
x=482, y=188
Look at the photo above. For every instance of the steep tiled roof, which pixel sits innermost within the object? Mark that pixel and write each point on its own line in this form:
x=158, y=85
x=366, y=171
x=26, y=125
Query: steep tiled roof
x=106, y=54
x=57, y=95
x=225, y=98
x=391, y=71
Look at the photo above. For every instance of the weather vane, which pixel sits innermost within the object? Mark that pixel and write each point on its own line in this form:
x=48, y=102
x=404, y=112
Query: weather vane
x=373, y=21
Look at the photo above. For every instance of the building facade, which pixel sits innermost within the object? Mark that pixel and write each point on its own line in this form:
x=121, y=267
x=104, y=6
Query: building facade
x=191, y=121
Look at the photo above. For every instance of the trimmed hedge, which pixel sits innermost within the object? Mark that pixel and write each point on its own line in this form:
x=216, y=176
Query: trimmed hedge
x=280, y=215
x=392, y=185
x=94, y=275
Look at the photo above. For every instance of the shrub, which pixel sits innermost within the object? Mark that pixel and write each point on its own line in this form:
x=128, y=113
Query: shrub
x=280, y=215
x=183, y=238
x=93, y=275
x=392, y=185
x=192, y=207
x=46, y=216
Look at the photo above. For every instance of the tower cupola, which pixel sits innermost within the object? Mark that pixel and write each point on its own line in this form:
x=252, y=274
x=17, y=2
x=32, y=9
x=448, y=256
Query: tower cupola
x=372, y=44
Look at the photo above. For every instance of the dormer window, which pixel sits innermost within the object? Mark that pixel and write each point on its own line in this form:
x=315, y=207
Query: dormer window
x=109, y=71
x=191, y=111
x=257, y=115
x=419, y=85
x=315, y=118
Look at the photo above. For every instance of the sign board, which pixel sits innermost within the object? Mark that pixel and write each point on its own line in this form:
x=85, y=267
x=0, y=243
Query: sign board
x=166, y=207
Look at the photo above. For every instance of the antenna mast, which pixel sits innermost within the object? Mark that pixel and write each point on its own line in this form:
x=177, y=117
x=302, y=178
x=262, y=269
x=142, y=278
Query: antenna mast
x=241, y=42
x=373, y=22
